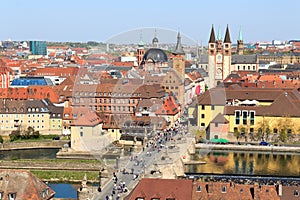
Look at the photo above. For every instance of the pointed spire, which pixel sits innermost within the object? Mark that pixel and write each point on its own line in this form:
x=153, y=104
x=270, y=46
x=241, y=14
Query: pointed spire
x=179, y=48
x=240, y=34
x=219, y=37
x=141, y=43
x=227, y=36
x=212, y=38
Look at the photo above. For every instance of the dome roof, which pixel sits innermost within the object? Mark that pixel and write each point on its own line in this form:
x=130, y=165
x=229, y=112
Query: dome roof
x=156, y=55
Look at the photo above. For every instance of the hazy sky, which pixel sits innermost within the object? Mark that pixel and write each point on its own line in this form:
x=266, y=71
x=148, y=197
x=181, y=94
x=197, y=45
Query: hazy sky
x=98, y=20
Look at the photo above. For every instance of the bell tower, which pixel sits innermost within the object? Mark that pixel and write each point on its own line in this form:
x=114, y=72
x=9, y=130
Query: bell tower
x=226, y=55
x=140, y=50
x=240, y=44
x=212, y=51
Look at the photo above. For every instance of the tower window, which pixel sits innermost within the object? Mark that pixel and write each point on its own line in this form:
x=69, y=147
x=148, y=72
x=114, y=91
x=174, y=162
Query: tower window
x=226, y=46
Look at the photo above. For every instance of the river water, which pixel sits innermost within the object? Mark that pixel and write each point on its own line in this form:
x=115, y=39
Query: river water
x=217, y=162
x=246, y=163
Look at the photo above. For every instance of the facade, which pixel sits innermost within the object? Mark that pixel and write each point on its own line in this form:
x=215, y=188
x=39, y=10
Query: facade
x=84, y=130
x=38, y=47
x=20, y=114
x=248, y=110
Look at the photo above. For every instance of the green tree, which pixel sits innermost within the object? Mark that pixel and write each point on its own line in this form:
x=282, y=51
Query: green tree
x=237, y=133
x=1, y=139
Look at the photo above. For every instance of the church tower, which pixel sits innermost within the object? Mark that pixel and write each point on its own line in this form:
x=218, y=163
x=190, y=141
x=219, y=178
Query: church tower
x=240, y=44
x=140, y=50
x=212, y=50
x=226, y=55
x=219, y=57
x=178, y=64
x=179, y=57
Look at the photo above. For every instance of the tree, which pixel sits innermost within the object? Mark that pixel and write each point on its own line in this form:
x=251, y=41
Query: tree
x=1, y=139
x=237, y=133
x=263, y=129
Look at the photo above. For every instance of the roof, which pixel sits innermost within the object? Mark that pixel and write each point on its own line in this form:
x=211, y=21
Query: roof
x=244, y=59
x=156, y=55
x=24, y=184
x=162, y=189
x=212, y=38
x=227, y=36
x=179, y=48
x=220, y=119
x=88, y=119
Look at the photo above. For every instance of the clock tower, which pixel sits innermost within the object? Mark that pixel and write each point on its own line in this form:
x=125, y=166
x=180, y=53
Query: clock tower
x=219, y=58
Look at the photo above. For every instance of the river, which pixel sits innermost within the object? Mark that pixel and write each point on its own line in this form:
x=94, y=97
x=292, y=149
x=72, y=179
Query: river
x=48, y=153
x=246, y=163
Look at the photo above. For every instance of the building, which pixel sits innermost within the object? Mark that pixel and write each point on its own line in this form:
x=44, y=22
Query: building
x=41, y=115
x=249, y=110
x=38, y=47
x=161, y=189
x=22, y=184
x=219, y=58
x=179, y=189
x=84, y=130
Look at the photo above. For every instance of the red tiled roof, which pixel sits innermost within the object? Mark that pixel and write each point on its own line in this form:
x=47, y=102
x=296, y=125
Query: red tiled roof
x=149, y=189
x=88, y=119
x=24, y=184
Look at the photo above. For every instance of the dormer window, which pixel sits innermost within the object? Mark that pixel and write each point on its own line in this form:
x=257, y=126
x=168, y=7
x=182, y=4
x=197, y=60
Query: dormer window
x=37, y=109
x=224, y=189
x=296, y=193
x=12, y=196
x=199, y=188
x=33, y=109
x=1, y=195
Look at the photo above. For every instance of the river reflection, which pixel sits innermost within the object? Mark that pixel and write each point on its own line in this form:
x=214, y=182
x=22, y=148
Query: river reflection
x=246, y=163
x=28, y=154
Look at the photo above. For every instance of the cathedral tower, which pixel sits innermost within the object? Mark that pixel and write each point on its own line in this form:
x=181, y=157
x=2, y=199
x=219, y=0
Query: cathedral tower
x=219, y=57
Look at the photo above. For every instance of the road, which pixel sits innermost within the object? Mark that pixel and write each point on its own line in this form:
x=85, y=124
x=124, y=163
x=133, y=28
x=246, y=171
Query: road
x=141, y=163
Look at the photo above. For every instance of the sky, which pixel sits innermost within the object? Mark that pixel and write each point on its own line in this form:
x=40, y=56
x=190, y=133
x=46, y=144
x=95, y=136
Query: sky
x=101, y=21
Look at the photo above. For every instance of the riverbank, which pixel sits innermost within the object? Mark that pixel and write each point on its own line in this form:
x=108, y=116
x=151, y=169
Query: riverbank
x=33, y=145
x=231, y=147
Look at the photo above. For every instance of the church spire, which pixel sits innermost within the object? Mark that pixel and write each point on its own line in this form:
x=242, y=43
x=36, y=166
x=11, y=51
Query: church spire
x=240, y=34
x=179, y=48
x=219, y=37
x=227, y=36
x=141, y=42
x=212, y=38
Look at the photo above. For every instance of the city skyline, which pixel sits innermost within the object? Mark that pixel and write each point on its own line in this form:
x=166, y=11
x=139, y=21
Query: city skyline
x=91, y=20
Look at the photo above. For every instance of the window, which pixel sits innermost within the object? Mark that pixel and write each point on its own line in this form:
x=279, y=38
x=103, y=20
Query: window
x=245, y=115
x=199, y=188
x=1, y=195
x=252, y=114
x=296, y=193
x=237, y=117
x=203, y=107
x=212, y=107
x=202, y=124
x=81, y=134
x=216, y=124
x=12, y=196
x=223, y=189
x=139, y=198
x=202, y=116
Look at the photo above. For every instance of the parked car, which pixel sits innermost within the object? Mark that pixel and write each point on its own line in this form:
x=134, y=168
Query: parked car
x=263, y=143
x=56, y=138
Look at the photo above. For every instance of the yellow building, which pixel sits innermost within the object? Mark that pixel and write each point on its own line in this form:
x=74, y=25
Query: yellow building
x=248, y=110
x=20, y=114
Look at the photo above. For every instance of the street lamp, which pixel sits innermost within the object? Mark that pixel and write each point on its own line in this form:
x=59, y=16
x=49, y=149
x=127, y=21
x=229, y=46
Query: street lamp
x=99, y=188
